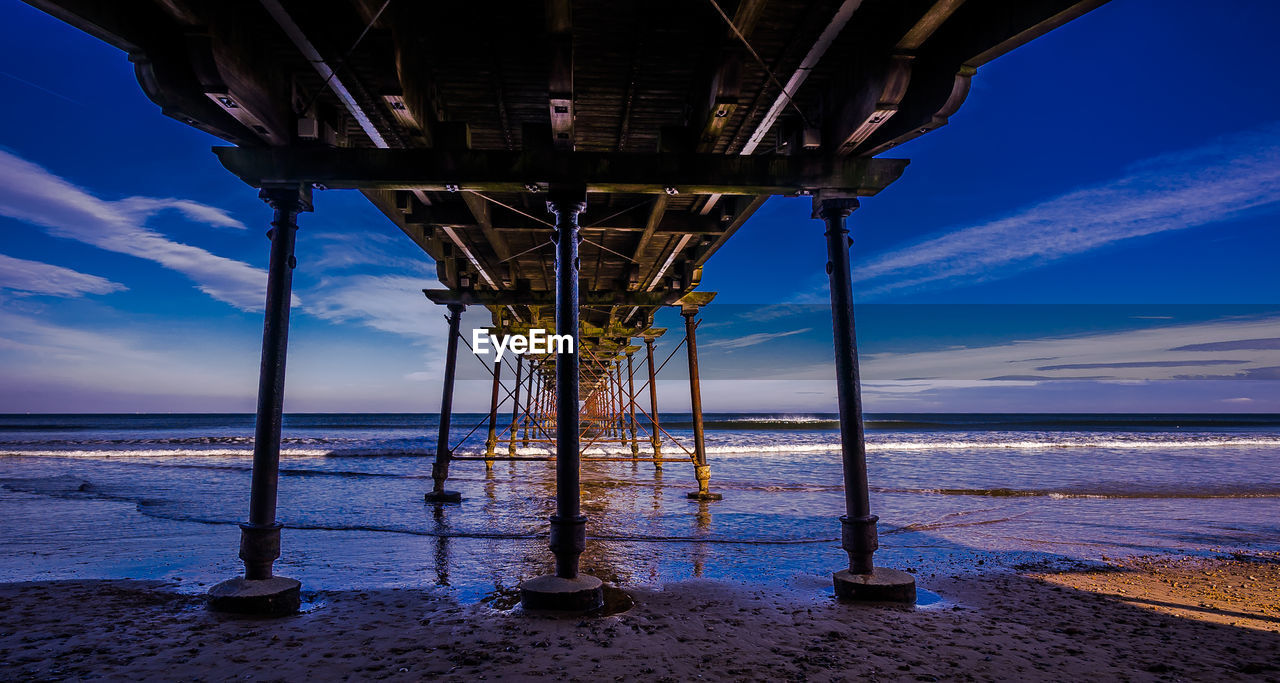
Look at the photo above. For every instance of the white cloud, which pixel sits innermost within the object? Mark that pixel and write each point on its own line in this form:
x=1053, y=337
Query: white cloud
x=747, y=340
x=34, y=277
x=1133, y=355
x=144, y=207
x=1213, y=183
x=30, y=193
x=338, y=251
x=85, y=364
x=391, y=303
x=390, y=300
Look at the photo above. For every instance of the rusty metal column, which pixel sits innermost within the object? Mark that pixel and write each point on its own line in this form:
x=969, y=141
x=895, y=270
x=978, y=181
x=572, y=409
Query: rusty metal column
x=616, y=418
x=566, y=590
x=491, y=443
x=259, y=591
x=701, y=470
x=631, y=403
x=621, y=417
x=655, y=434
x=440, y=469
x=536, y=403
x=532, y=405
x=515, y=404
x=862, y=581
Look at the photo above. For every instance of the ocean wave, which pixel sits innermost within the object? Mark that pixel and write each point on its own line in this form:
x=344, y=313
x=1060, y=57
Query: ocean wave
x=176, y=440
x=1057, y=441
x=1067, y=422
x=179, y=453
x=763, y=424
x=1255, y=492
x=1181, y=442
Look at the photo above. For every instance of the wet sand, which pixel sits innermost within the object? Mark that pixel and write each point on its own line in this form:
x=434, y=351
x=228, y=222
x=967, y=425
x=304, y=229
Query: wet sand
x=1141, y=619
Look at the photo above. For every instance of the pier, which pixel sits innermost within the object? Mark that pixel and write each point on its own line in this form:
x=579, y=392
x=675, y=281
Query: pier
x=569, y=166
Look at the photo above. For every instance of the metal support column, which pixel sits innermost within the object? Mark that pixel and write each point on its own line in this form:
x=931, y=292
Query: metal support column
x=616, y=402
x=620, y=417
x=654, y=434
x=566, y=590
x=440, y=469
x=862, y=580
x=259, y=591
x=491, y=443
x=701, y=470
x=515, y=405
x=631, y=403
x=531, y=404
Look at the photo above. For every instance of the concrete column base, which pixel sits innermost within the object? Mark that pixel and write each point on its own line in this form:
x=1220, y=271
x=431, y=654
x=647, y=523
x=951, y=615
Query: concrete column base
x=551, y=593
x=703, y=495
x=882, y=585
x=276, y=596
x=443, y=497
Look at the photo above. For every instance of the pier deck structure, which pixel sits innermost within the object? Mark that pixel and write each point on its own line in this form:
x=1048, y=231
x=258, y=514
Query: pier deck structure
x=569, y=164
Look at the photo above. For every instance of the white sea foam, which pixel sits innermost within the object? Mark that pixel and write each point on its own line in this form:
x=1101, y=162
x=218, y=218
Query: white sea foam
x=744, y=447
x=797, y=419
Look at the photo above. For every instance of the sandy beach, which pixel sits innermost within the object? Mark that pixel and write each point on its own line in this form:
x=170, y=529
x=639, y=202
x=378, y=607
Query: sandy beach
x=1140, y=619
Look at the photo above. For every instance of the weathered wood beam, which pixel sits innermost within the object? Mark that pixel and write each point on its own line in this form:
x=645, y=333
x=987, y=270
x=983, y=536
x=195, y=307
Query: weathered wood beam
x=929, y=22
x=878, y=88
x=560, y=92
x=152, y=39
x=696, y=300
x=651, y=225
x=479, y=208
x=599, y=269
x=880, y=82
x=123, y=24
x=660, y=267
x=227, y=65
x=936, y=94
x=503, y=220
x=983, y=31
x=511, y=297
x=503, y=171
x=417, y=106
x=671, y=222
x=725, y=82
x=973, y=35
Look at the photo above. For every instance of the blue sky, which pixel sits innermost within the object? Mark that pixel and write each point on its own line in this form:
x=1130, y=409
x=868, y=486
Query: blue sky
x=1131, y=158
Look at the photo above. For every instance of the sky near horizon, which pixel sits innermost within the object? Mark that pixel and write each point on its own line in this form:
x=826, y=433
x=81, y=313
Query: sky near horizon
x=1108, y=196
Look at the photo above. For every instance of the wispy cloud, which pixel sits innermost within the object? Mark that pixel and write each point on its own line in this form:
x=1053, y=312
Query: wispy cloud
x=1266, y=344
x=1209, y=184
x=391, y=303
x=144, y=207
x=34, y=277
x=1142, y=364
x=370, y=279
x=770, y=312
x=1131, y=355
x=747, y=340
x=363, y=249
x=32, y=194
x=81, y=363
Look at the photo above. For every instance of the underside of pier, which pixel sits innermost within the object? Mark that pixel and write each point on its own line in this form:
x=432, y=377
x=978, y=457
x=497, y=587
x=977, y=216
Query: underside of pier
x=566, y=163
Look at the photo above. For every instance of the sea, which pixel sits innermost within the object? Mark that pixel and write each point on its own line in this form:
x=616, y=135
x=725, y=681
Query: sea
x=159, y=496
